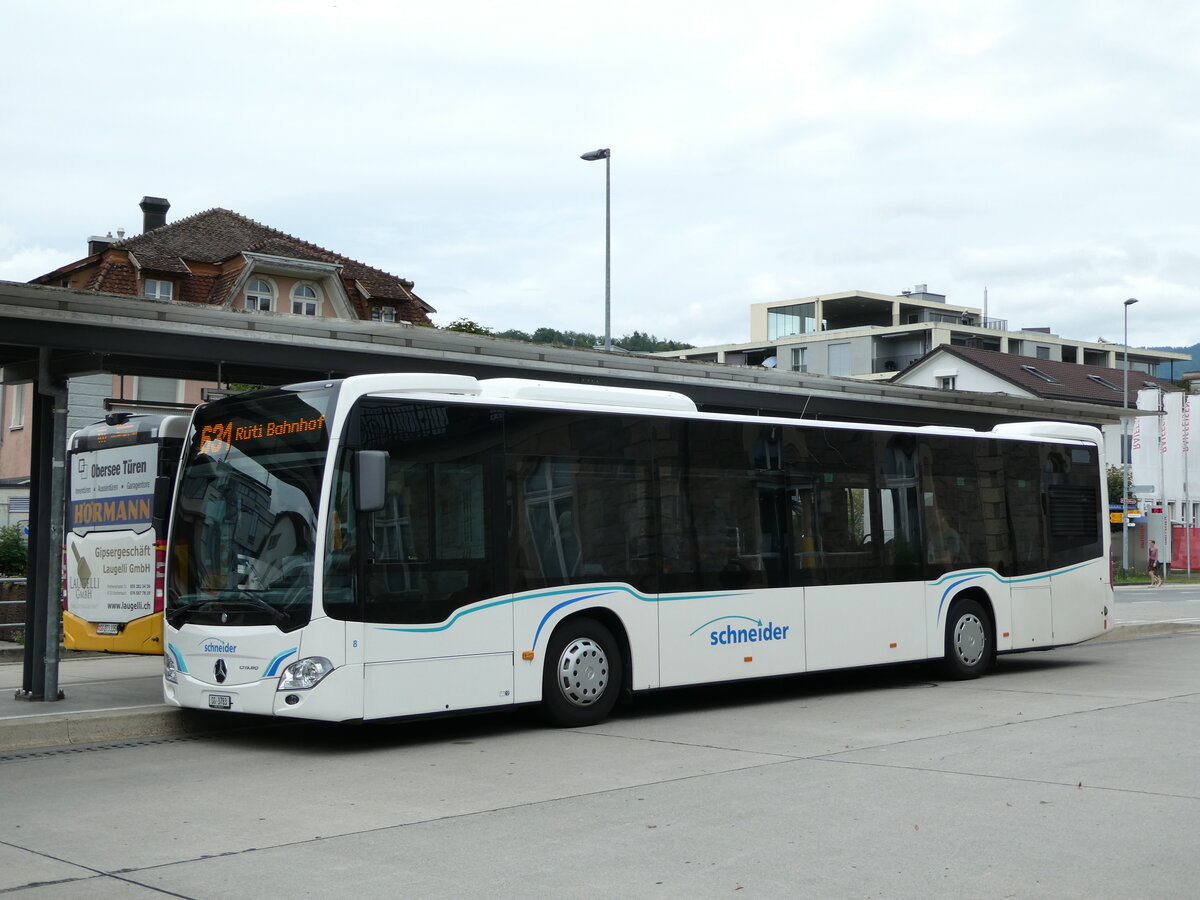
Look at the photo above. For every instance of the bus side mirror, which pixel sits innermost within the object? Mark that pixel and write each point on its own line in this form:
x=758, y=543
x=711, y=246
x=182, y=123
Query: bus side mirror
x=370, y=479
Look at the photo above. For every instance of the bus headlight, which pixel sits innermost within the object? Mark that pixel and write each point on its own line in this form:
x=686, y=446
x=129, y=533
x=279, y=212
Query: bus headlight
x=304, y=674
x=170, y=669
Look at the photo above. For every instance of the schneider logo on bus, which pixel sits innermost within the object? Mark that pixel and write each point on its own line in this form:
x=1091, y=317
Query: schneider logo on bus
x=753, y=633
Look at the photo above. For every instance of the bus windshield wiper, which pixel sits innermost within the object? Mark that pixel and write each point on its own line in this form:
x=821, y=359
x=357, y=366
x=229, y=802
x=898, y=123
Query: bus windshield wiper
x=177, y=604
x=234, y=595
x=259, y=603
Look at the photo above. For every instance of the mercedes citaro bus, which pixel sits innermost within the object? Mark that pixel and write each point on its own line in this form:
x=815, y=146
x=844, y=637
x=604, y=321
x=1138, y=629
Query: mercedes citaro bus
x=404, y=545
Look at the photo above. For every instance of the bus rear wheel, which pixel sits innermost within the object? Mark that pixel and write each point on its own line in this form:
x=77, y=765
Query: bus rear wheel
x=969, y=644
x=582, y=677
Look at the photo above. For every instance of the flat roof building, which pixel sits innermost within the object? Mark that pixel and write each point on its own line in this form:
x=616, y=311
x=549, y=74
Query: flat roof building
x=861, y=334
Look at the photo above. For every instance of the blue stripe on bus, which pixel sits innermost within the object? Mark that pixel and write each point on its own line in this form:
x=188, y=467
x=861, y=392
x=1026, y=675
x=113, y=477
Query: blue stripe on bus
x=961, y=578
x=577, y=598
x=179, y=663
x=956, y=579
x=273, y=666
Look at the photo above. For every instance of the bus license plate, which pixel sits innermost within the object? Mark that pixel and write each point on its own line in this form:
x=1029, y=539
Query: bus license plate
x=108, y=628
x=220, y=701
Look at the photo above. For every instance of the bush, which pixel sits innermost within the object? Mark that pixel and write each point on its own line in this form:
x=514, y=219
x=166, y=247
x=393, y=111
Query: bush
x=13, y=552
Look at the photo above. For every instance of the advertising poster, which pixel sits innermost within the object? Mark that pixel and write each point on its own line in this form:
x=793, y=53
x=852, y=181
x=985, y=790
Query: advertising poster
x=110, y=534
x=110, y=575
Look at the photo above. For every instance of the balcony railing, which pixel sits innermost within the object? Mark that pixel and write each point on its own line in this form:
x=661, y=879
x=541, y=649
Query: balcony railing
x=977, y=322
x=894, y=363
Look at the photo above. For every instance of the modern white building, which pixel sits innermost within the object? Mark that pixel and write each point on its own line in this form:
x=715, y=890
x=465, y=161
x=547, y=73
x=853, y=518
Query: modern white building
x=861, y=334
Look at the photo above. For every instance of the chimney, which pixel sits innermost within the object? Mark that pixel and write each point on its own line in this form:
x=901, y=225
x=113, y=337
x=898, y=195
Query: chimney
x=97, y=244
x=154, y=212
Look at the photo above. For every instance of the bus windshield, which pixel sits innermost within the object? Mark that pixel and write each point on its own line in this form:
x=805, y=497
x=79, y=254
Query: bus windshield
x=245, y=511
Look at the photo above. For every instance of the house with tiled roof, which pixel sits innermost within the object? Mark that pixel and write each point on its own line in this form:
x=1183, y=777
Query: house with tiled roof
x=989, y=371
x=216, y=258
x=221, y=258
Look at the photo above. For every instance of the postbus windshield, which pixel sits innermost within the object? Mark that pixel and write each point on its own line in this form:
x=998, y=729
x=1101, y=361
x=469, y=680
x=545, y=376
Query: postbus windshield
x=245, y=511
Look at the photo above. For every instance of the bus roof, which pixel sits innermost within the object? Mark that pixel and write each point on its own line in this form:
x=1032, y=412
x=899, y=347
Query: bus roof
x=120, y=429
x=643, y=400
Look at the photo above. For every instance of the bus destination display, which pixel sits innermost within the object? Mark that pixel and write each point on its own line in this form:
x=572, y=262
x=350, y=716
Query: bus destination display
x=218, y=437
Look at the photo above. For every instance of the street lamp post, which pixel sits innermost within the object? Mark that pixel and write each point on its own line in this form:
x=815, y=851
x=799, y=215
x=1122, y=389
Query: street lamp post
x=592, y=157
x=1126, y=456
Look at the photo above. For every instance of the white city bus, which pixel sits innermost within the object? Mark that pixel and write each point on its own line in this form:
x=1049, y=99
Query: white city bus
x=402, y=545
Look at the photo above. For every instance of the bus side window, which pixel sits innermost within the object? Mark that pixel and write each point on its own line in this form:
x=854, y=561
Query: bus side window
x=806, y=563
x=1072, y=504
x=899, y=502
x=848, y=550
x=722, y=506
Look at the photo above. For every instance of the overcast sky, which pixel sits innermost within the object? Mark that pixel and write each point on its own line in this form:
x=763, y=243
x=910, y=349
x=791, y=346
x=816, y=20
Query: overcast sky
x=1045, y=151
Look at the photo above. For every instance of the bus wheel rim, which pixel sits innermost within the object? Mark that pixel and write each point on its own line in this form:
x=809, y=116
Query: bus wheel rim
x=970, y=639
x=582, y=672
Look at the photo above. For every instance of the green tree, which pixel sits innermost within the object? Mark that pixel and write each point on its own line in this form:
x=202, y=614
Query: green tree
x=466, y=326
x=1116, y=483
x=638, y=342
x=13, y=552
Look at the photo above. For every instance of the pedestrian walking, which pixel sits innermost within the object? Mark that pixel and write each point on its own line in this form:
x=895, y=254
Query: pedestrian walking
x=1152, y=554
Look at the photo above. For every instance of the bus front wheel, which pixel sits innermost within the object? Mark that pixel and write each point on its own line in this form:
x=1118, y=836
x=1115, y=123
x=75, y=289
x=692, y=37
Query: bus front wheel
x=582, y=677
x=969, y=643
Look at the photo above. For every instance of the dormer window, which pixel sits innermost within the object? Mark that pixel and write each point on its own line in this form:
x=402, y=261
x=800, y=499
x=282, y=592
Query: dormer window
x=156, y=289
x=305, y=300
x=260, y=296
x=383, y=314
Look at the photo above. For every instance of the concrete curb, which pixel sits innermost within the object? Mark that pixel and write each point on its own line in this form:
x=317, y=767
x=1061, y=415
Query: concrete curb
x=38, y=732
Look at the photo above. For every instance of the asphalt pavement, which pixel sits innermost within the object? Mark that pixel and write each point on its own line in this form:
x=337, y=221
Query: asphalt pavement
x=113, y=697
x=1061, y=775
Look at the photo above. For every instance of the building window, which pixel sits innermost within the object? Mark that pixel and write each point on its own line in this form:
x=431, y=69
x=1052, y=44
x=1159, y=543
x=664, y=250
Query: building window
x=1043, y=352
x=799, y=359
x=156, y=390
x=156, y=289
x=946, y=382
x=304, y=300
x=785, y=321
x=17, y=398
x=383, y=314
x=259, y=295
